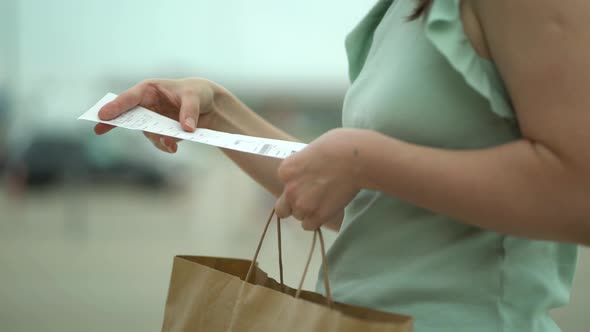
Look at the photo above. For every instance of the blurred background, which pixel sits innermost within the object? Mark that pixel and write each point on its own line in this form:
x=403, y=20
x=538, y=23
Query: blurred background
x=88, y=225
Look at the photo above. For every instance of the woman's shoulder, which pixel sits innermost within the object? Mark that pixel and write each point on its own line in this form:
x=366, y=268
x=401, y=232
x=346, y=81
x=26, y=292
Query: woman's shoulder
x=454, y=28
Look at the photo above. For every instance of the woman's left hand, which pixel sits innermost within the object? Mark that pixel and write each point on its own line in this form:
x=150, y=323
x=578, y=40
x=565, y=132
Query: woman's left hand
x=320, y=180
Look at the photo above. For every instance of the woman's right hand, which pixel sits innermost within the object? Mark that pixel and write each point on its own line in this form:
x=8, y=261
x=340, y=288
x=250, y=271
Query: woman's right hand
x=188, y=101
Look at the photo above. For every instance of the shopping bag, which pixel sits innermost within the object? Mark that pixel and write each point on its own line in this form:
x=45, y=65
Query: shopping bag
x=233, y=295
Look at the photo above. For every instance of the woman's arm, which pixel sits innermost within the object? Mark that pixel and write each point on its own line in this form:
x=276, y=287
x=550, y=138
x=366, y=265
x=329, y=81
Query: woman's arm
x=196, y=102
x=536, y=187
x=201, y=103
x=230, y=115
x=518, y=188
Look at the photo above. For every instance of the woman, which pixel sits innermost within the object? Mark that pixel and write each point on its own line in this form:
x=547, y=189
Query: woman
x=463, y=166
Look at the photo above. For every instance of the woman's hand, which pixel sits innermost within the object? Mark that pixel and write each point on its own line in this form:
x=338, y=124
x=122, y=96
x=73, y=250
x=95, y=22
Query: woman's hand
x=189, y=101
x=320, y=180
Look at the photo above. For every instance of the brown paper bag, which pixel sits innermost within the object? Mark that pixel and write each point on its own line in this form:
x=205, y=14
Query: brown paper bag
x=211, y=294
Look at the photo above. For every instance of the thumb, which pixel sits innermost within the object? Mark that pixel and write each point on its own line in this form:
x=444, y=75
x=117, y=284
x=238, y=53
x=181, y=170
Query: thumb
x=282, y=207
x=189, y=113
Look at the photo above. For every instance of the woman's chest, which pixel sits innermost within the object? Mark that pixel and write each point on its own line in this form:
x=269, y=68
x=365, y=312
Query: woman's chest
x=408, y=90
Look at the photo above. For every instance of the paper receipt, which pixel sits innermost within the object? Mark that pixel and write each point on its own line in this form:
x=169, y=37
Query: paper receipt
x=140, y=118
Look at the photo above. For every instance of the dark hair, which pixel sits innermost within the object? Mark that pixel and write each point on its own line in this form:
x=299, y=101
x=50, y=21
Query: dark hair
x=420, y=9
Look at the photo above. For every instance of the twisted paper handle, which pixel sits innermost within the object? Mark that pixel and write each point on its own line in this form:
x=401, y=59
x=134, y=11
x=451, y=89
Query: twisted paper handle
x=316, y=233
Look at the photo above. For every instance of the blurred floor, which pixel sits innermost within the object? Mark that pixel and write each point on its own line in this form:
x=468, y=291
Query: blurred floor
x=99, y=258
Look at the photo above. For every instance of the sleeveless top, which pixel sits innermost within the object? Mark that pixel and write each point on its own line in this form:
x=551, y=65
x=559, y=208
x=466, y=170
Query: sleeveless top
x=422, y=82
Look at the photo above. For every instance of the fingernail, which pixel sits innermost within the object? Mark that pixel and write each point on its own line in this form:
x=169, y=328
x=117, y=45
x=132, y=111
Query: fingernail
x=163, y=143
x=190, y=122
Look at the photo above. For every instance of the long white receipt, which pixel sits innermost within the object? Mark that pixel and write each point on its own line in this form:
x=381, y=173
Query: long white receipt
x=140, y=118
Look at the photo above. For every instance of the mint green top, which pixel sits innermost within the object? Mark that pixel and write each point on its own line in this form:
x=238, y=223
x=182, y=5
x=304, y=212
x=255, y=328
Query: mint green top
x=422, y=82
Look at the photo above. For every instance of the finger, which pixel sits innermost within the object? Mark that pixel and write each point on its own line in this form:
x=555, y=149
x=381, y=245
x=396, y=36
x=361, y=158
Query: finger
x=282, y=207
x=155, y=140
x=156, y=137
x=164, y=143
x=102, y=128
x=298, y=215
x=312, y=203
x=169, y=141
x=289, y=168
x=307, y=203
x=302, y=210
x=168, y=144
x=189, y=111
x=322, y=214
x=311, y=223
x=124, y=102
x=335, y=222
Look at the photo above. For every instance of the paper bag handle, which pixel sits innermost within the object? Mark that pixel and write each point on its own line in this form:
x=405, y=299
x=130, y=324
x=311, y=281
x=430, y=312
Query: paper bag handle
x=316, y=233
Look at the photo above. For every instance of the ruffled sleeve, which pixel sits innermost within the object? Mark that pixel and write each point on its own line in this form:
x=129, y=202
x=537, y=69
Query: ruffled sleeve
x=444, y=28
x=359, y=40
